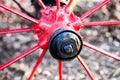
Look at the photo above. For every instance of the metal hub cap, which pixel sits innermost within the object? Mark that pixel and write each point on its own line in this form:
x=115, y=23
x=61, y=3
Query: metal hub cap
x=65, y=44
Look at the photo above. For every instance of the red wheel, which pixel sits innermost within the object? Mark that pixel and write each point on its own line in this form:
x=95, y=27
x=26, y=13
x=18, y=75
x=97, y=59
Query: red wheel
x=58, y=30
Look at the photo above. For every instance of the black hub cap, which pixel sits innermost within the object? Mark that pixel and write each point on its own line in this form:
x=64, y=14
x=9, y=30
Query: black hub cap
x=65, y=44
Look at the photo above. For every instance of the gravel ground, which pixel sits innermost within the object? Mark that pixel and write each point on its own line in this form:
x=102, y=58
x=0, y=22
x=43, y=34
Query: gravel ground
x=107, y=38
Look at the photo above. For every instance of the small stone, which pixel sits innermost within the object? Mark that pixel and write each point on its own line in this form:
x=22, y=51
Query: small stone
x=71, y=77
x=16, y=45
x=39, y=70
x=94, y=33
x=17, y=78
x=107, y=34
x=116, y=43
x=47, y=73
x=82, y=76
x=96, y=66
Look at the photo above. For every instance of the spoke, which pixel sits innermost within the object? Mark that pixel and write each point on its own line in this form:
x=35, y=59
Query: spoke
x=19, y=57
x=60, y=70
x=37, y=65
x=15, y=30
x=94, y=9
x=19, y=14
x=101, y=51
x=70, y=3
x=58, y=4
x=104, y=23
x=41, y=4
x=85, y=67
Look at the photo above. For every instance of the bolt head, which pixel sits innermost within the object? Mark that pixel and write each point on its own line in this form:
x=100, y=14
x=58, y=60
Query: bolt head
x=68, y=49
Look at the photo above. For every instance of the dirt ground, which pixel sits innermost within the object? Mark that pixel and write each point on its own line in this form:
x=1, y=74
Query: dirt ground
x=106, y=38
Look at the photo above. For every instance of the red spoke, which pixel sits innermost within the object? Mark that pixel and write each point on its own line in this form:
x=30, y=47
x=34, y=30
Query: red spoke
x=85, y=67
x=70, y=3
x=37, y=64
x=104, y=23
x=94, y=9
x=15, y=30
x=19, y=57
x=60, y=70
x=41, y=4
x=101, y=51
x=58, y=4
x=19, y=14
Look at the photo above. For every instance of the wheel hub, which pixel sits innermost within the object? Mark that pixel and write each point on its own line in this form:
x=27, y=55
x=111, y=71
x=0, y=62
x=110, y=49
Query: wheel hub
x=55, y=32
x=65, y=44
